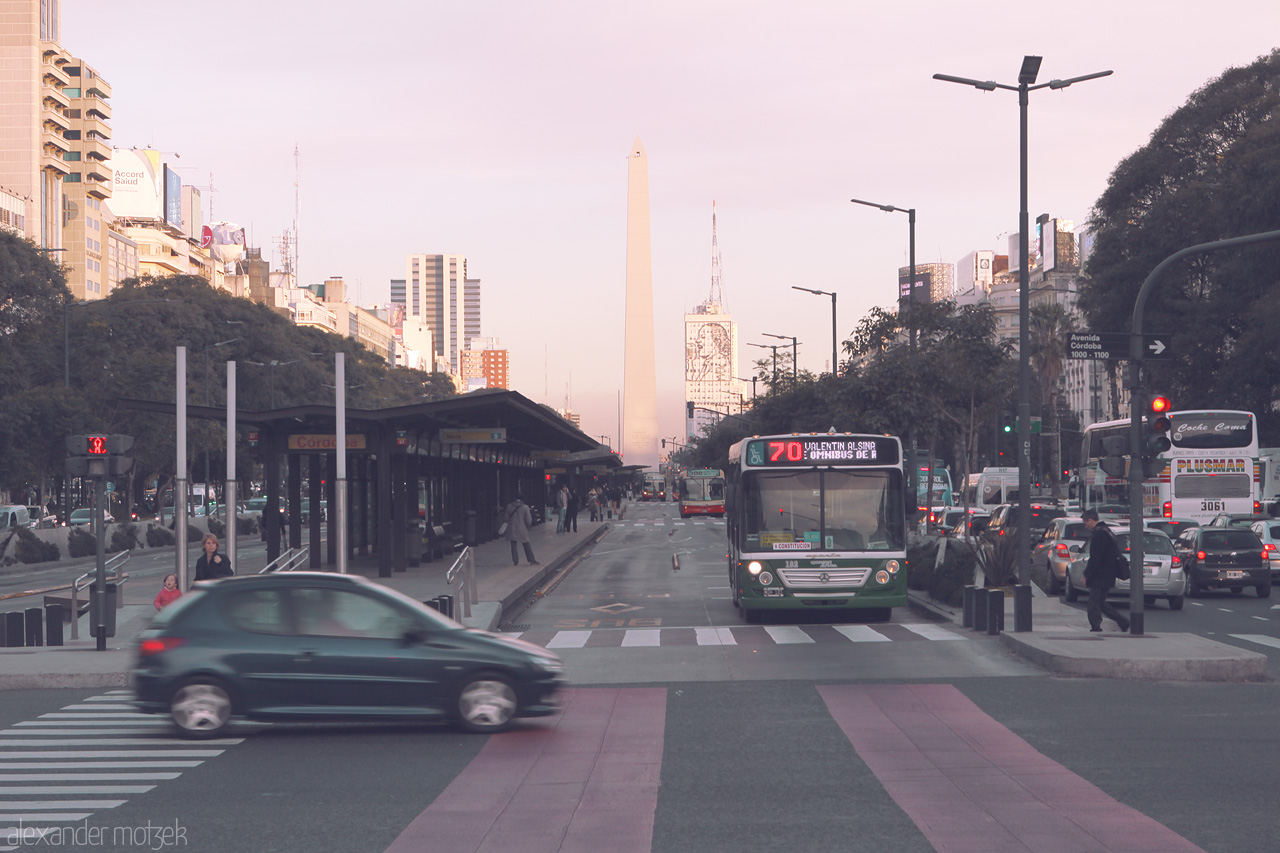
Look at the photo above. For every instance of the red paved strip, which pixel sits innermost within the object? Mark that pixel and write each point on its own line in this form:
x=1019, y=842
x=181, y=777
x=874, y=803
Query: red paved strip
x=971, y=784
x=581, y=782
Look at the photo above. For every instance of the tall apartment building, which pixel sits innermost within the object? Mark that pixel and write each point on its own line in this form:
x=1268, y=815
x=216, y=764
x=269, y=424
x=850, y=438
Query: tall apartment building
x=485, y=364
x=34, y=116
x=438, y=293
x=85, y=232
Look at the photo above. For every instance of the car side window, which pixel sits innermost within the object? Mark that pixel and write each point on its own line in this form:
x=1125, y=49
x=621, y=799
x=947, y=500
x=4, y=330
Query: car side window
x=343, y=613
x=258, y=611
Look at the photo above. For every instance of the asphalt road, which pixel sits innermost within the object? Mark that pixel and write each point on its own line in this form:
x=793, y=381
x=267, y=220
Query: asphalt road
x=754, y=752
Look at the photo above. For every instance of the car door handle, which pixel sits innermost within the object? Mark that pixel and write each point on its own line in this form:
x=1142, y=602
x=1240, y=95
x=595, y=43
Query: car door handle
x=305, y=656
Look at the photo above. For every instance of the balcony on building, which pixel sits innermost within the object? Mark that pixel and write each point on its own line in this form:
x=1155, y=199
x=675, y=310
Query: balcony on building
x=54, y=120
x=54, y=99
x=93, y=125
x=94, y=105
x=54, y=77
x=95, y=148
x=97, y=180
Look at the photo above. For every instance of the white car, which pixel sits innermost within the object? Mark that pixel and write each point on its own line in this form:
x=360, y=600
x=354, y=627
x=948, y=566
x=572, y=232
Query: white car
x=1162, y=574
x=1269, y=533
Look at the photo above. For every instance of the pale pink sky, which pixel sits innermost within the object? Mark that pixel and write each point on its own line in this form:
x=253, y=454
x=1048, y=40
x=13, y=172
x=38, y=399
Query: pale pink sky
x=499, y=130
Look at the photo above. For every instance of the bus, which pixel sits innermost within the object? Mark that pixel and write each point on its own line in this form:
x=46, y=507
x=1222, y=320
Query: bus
x=817, y=520
x=1212, y=467
x=700, y=491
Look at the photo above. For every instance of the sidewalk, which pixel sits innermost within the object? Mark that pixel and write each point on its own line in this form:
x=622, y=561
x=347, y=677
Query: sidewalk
x=1060, y=642
x=499, y=585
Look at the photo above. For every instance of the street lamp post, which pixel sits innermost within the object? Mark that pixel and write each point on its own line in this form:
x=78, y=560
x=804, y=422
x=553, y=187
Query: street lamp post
x=1026, y=83
x=753, y=386
x=835, y=368
x=208, y=347
x=773, y=347
x=794, y=353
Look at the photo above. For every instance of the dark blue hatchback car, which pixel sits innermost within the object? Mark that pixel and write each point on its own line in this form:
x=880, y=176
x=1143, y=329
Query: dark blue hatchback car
x=315, y=645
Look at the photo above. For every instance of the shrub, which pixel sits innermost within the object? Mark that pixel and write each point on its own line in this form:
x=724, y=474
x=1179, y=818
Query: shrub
x=943, y=583
x=1000, y=561
x=158, y=537
x=217, y=527
x=246, y=526
x=123, y=538
x=80, y=543
x=194, y=534
x=32, y=549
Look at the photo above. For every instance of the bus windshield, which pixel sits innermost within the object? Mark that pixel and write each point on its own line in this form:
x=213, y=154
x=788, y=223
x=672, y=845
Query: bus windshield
x=823, y=509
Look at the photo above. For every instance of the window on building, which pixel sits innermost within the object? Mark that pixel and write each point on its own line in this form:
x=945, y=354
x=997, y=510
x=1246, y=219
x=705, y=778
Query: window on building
x=71, y=134
x=71, y=155
x=72, y=92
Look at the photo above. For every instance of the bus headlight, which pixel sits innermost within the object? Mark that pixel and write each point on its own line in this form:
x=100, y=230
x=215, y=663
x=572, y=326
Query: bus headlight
x=882, y=576
x=892, y=566
x=766, y=578
x=755, y=567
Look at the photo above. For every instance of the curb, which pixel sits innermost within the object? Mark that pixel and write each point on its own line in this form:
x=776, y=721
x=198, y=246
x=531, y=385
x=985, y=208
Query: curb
x=550, y=568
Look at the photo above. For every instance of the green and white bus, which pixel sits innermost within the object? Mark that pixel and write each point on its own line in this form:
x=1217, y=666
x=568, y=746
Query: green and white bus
x=817, y=520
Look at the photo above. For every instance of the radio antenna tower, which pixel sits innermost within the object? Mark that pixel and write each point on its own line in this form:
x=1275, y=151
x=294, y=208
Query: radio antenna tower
x=297, y=210
x=716, y=298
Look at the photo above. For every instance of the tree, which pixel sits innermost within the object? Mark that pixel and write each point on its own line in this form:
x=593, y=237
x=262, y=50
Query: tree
x=1211, y=171
x=1051, y=327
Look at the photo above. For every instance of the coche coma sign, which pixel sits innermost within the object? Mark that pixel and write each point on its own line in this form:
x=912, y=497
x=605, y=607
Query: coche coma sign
x=324, y=442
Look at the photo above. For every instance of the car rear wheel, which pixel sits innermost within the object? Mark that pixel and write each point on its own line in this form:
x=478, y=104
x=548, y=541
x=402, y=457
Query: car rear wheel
x=200, y=708
x=1264, y=589
x=1175, y=602
x=1237, y=589
x=486, y=703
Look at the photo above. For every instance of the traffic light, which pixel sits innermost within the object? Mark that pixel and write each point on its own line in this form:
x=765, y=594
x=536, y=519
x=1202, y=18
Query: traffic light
x=1007, y=424
x=688, y=408
x=99, y=455
x=1155, y=435
x=1117, y=447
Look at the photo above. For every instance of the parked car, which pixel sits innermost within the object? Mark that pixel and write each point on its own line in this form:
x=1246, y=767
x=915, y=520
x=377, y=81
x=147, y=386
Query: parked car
x=1004, y=520
x=14, y=516
x=1171, y=527
x=84, y=515
x=1268, y=532
x=41, y=517
x=1053, y=551
x=317, y=645
x=942, y=519
x=1224, y=557
x=1163, y=571
x=1227, y=519
x=976, y=522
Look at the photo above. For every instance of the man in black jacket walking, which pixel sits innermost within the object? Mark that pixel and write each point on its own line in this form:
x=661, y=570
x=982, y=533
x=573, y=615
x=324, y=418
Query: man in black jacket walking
x=1100, y=572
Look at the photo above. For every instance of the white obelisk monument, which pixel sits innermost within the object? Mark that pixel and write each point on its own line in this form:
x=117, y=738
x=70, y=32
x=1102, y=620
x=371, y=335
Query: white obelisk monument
x=639, y=441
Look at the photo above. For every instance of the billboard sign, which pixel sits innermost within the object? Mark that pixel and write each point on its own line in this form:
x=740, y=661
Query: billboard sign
x=135, y=184
x=172, y=197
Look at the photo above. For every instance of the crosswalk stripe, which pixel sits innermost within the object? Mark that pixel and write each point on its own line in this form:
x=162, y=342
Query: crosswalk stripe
x=77, y=789
x=563, y=640
x=112, y=753
x=86, y=777
x=1260, y=639
x=933, y=632
x=60, y=804
x=89, y=765
x=862, y=633
x=708, y=636
x=641, y=637
x=785, y=634
x=53, y=817
x=141, y=721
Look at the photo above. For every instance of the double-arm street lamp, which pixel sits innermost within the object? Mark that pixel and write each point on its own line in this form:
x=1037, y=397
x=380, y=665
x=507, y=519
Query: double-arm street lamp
x=911, y=260
x=794, y=353
x=773, y=347
x=1026, y=83
x=835, y=365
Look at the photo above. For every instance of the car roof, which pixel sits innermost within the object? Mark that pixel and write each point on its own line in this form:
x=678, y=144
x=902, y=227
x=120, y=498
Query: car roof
x=289, y=577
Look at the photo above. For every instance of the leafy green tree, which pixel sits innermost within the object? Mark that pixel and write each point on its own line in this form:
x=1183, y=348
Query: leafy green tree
x=1211, y=171
x=1051, y=327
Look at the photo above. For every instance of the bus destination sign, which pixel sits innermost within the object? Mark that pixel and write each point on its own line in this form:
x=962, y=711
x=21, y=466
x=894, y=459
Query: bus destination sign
x=823, y=450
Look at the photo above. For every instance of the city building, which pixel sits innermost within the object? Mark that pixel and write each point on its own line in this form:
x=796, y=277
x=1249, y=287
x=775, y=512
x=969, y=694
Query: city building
x=88, y=184
x=13, y=212
x=438, y=293
x=485, y=364
x=711, y=384
x=325, y=306
x=933, y=282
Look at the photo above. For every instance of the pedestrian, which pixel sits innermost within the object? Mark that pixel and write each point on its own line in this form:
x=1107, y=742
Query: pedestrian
x=571, y=510
x=169, y=592
x=212, y=563
x=518, y=518
x=593, y=503
x=1100, y=572
x=562, y=507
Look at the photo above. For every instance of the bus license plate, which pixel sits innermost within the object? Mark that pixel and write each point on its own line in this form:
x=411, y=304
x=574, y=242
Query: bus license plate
x=772, y=592
x=1234, y=575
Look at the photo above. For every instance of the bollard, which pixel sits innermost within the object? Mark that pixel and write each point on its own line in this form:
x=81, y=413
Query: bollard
x=995, y=611
x=446, y=605
x=14, y=629
x=53, y=624
x=980, y=600
x=967, y=619
x=35, y=626
x=433, y=603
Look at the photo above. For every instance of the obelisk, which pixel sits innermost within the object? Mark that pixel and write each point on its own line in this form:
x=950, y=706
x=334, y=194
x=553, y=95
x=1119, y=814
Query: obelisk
x=639, y=440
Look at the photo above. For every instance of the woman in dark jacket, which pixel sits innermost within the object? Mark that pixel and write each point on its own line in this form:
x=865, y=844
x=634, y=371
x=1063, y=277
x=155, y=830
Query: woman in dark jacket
x=212, y=564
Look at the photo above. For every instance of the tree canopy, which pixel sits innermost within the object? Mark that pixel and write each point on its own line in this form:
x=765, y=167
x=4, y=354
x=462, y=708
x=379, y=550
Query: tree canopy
x=1210, y=172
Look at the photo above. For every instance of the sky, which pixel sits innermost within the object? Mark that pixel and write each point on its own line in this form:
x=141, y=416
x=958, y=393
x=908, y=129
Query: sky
x=500, y=129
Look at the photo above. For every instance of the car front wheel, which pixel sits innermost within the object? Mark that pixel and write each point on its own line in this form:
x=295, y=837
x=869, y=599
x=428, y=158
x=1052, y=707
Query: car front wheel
x=486, y=703
x=1072, y=594
x=200, y=708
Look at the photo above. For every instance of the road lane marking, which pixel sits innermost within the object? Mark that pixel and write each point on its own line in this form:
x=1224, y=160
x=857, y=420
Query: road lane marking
x=1260, y=639
x=563, y=640
x=933, y=632
x=784, y=634
x=641, y=637
x=862, y=633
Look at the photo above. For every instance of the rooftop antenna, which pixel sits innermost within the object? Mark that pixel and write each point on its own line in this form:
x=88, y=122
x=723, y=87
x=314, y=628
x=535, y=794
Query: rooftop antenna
x=716, y=298
x=297, y=206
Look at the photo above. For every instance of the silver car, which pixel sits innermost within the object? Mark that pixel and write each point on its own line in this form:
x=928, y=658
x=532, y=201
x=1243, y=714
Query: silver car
x=1269, y=533
x=1162, y=574
x=1053, y=551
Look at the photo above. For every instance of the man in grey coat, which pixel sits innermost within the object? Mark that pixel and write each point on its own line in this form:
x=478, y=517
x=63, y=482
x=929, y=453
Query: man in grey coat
x=519, y=517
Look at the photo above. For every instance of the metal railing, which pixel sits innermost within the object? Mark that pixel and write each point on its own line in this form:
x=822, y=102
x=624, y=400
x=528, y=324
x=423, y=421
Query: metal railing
x=290, y=560
x=462, y=579
x=86, y=580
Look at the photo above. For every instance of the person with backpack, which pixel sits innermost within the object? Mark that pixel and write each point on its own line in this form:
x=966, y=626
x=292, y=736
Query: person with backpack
x=1100, y=572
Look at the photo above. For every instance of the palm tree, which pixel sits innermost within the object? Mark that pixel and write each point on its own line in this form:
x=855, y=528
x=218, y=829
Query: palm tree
x=1051, y=326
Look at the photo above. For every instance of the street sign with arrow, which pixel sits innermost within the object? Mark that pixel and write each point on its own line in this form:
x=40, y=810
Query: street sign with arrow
x=1114, y=345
